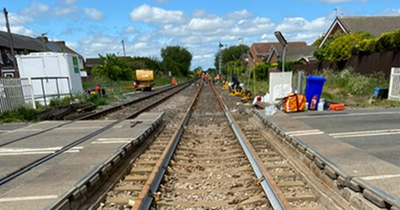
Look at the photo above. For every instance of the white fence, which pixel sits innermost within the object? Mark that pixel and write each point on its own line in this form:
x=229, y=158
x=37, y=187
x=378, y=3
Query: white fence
x=394, y=86
x=15, y=93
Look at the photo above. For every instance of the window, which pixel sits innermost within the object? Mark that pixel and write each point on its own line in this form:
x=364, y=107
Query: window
x=8, y=74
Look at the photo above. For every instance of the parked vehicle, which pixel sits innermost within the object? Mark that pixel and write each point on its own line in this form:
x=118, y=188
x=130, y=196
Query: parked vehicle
x=145, y=78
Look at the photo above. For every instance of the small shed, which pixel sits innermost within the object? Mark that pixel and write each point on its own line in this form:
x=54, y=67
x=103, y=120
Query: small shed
x=52, y=75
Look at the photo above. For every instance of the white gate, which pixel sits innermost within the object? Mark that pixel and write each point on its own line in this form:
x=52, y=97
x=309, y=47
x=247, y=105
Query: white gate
x=15, y=93
x=280, y=84
x=394, y=86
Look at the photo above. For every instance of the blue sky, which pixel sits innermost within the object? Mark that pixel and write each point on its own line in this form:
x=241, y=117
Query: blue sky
x=93, y=27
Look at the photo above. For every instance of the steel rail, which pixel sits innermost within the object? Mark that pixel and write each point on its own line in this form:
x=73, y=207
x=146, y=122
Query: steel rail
x=121, y=106
x=44, y=159
x=275, y=196
x=86, y=117
x=153, y=182
x=157, y=101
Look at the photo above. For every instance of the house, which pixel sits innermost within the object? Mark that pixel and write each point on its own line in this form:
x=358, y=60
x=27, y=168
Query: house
x=25, y=45
x=293, y=53
x=22, y=45
x=375, y=25
x=261, y=50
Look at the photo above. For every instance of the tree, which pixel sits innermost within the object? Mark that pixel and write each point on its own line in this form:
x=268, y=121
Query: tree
x=112, y=67
x=233, y=53
x=261, y=71
x=176, y=59
x=388, y=42
x=318, y=41
x=341, y=48
x=144, y=63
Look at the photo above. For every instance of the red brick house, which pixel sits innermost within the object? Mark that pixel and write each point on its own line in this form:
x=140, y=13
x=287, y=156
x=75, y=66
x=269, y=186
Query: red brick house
x=261, y=50
x=293, y=53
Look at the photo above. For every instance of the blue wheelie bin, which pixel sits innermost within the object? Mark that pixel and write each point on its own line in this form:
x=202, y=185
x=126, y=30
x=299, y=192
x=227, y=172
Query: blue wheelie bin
x=314, y=85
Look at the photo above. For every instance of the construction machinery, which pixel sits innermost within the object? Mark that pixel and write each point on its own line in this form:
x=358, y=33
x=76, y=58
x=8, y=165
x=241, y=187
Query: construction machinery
x=145, y=78
x=226, y=85
x=237, y=90
x=246, y=95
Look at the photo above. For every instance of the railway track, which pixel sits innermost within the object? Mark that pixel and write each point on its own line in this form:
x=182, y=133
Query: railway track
x=133, y=108
x=208, y=162
x=150, y=100
x=36, y=160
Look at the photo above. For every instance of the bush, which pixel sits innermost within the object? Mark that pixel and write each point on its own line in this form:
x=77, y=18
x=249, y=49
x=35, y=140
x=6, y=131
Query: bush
x=19, y=115
x=98, y=99
x=347, y=82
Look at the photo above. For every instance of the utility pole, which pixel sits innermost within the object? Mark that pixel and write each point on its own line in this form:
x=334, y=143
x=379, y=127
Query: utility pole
x=123, y=47
x=241, y=52
x=11, y=43
x=220, y=58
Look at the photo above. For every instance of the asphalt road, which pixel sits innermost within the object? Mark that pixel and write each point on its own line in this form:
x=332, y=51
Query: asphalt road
x=376, y=131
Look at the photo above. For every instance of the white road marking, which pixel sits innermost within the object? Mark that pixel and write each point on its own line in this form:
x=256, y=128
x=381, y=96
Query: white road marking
x=112, y=140
x=345, y=115
x=365, y=133
x=28, y=198
x=380, y=177
x=35, y=151
x=305, y=132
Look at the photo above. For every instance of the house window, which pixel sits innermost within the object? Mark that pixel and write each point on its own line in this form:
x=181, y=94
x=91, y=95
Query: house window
x=8, y=74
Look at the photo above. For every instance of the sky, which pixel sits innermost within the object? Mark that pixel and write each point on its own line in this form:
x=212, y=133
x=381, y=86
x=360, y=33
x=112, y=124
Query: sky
x=93, y=27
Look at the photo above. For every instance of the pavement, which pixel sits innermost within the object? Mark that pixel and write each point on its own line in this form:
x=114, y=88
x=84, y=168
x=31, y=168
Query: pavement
x=70, y=175
x=351, y=170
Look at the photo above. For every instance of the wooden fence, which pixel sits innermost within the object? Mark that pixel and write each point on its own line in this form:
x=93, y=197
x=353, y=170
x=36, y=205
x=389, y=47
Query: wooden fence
x=363, y=64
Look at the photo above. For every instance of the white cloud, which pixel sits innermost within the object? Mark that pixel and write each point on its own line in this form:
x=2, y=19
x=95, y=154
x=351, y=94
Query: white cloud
x=199, y=13
x=391, y=12
x=239, y=14
x=210, y=25
x=129, y=30
x=146, y=13
x=70, y=1
x=65, y=11
x=93, y=13
x=299, y=24
x=36, y=9
x=19, y=30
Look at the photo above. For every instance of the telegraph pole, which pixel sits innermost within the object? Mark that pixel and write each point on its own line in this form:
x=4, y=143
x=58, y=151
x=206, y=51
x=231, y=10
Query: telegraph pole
x=11, y=43
x=220, y=58
x=123, y=47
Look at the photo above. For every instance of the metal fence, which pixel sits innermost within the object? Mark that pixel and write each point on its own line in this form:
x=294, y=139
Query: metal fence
x=16, y=93
x=394, y=86
x=46, y=89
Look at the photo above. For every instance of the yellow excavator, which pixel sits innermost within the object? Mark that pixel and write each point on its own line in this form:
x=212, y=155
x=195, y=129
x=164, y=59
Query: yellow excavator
x=226, y=85
x=246, y=95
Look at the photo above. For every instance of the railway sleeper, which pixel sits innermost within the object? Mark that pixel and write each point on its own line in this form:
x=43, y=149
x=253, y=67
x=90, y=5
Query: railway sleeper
x=195, y=192
x=219, y=204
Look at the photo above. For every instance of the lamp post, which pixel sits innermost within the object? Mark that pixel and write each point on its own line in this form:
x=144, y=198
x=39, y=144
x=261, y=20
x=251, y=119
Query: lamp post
x=283, y=42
